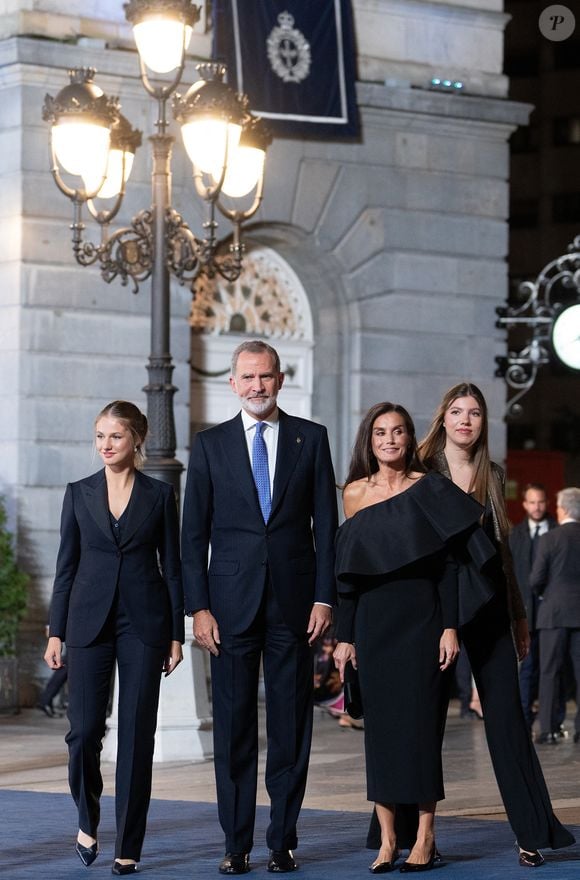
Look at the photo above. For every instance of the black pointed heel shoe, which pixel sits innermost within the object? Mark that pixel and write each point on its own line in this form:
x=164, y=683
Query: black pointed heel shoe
x=87, y=854
x=529, y=859
x=124, y=870
x=383, y=867
x=414, y=867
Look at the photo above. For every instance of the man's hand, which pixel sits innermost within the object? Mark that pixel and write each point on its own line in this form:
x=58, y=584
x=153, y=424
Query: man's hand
x=320, y=620
x=206, y=631
x=53, y=653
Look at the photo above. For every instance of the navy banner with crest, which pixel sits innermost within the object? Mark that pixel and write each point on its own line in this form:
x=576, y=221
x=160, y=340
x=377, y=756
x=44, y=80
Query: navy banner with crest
x=295, y=59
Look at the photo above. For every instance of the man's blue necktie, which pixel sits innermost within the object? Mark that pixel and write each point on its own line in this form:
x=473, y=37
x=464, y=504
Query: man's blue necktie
x=261, y=471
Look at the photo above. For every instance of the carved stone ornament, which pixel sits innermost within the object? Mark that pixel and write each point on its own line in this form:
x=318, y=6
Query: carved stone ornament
x=262, y=302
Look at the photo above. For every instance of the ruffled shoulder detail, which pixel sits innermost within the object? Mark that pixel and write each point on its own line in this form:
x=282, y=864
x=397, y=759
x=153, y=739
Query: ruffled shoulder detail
x=430, y=516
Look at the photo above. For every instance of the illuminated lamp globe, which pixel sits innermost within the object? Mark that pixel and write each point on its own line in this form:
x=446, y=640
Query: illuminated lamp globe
x=211, y=117
x=162, y=31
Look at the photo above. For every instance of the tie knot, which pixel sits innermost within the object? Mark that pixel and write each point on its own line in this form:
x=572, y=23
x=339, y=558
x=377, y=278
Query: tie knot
x=260, y=427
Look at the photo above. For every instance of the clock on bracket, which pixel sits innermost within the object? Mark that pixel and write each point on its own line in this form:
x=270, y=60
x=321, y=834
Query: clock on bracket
x=566, y=336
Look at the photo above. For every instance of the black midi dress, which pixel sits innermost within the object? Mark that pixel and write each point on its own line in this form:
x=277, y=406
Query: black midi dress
x=398, y=584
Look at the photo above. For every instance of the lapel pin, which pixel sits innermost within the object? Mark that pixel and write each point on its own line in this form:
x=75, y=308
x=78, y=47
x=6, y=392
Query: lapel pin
x=299, y=439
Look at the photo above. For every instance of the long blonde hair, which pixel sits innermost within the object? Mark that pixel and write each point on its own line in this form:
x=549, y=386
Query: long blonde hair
x=484, y=484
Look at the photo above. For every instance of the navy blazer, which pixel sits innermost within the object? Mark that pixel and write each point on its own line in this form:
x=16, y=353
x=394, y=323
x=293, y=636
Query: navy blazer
x=145, y=567
x=521, y=549
x=221, y=508
x=555, y=577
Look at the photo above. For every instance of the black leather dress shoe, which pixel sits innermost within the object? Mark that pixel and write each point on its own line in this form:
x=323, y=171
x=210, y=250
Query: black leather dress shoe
x=281, y=861
x=235, y=863
x=546, y=739
x=48, y=710
x=124, y=870
x=87, y=854
x=530, y=859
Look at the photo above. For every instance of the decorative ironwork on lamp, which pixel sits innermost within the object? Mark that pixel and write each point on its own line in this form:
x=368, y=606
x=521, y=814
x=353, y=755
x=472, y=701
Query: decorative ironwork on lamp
x=89, y=138
x=551, y=309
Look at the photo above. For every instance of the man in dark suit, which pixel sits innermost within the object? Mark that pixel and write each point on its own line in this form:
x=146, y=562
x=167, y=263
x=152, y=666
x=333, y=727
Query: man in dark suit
x=555, y=578
x=261, y=492
x=524, y=538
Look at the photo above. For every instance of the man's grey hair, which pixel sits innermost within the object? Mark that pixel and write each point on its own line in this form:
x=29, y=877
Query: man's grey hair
x=255, y=346
x=569, y=501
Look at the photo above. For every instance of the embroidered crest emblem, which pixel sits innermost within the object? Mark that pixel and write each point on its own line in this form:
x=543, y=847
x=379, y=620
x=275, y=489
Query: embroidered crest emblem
x=288, y=51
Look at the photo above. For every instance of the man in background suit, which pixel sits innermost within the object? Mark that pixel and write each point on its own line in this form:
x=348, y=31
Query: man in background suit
x=261, y=491
x=523, y=540
x=555, y=578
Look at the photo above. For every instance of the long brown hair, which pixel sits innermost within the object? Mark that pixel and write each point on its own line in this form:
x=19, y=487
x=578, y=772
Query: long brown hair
x=363, y=462
x=131, y=416
x=484, y=485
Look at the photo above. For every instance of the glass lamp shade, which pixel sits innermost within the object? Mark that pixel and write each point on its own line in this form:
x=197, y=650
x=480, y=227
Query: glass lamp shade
x=161, y=42
x=206, y=141
x=81, y=147
x=116, y=175
x=245, y=168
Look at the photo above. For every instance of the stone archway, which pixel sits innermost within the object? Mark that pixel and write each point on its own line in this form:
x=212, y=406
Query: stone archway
x=268, y=301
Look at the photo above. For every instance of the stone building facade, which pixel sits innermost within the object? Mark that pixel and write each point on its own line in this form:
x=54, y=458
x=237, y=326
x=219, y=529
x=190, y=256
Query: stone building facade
x=396, y=243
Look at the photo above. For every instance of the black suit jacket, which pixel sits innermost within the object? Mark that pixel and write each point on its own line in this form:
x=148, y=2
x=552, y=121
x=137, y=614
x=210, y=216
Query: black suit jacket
x=521, y=549
x=555, y=577
x=145, y=568
x=221, y=508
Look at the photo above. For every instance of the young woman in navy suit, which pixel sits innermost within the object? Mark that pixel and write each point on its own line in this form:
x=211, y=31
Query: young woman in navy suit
x=117, y=599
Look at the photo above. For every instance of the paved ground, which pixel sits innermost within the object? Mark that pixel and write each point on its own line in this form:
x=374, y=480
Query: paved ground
x=33, y=758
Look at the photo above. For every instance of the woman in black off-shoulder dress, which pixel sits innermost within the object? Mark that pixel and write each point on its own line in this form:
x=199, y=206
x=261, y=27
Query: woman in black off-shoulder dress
x=398, y=616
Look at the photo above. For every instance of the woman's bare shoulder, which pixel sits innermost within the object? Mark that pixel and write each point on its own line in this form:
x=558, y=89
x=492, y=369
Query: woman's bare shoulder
x=354, y=495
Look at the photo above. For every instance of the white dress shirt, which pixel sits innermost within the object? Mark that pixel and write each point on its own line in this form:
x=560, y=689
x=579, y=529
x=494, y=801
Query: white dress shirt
x=533, y=525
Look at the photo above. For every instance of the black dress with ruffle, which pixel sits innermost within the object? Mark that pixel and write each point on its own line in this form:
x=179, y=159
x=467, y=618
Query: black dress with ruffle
x=398, y=580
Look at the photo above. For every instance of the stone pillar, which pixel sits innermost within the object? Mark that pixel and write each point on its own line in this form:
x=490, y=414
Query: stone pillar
x=184, y=721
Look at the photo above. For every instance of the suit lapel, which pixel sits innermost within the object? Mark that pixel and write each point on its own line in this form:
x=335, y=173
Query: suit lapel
x=141, y=504
x=235, y=453
x=94, y=490
x=290, y=446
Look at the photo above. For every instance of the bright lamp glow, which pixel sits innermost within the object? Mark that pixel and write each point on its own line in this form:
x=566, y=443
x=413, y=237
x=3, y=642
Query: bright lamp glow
x=245, y=168
x=116, y=175
x=205, y=142
x=81, y=147
x=160, y=42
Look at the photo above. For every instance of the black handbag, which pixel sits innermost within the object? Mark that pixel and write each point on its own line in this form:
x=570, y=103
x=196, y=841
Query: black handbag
x=352, y=696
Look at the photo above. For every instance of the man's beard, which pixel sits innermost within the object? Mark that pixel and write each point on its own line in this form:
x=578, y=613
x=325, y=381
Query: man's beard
x=257, y=406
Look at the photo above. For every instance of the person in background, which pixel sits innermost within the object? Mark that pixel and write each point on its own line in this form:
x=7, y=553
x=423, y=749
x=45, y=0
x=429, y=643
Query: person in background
x=555, y=579
x=53, y=686
x=523, y=541
x=117, y=599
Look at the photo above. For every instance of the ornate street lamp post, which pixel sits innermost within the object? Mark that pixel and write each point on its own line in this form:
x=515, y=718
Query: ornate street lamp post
x=90, y=139
x=549, y=309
